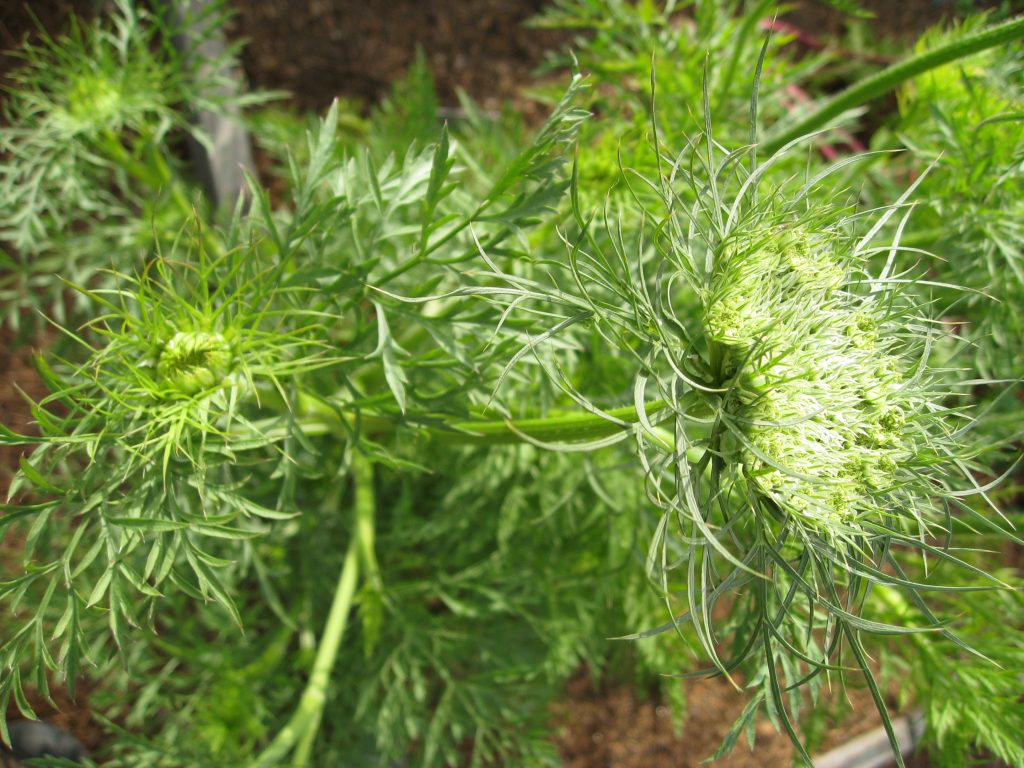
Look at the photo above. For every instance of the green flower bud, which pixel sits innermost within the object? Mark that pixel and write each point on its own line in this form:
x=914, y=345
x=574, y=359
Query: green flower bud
x=736, y=318
x=93, y=100
x=821, y=403
x=862, y=330
x=195, y=361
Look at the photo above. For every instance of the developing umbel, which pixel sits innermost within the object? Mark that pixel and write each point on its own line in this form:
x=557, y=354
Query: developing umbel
x=817, y=389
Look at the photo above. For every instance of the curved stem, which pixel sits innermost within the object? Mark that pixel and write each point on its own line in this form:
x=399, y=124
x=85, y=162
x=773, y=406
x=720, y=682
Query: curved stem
x=306, y=717
x=299, y=733
x=882, y=82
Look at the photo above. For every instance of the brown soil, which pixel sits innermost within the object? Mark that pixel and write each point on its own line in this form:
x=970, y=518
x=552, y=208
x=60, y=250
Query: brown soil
x=904, y=19
x=19, y=18
x=73, y=715
x=17, y=375
x=614, y=727
x=356, y=48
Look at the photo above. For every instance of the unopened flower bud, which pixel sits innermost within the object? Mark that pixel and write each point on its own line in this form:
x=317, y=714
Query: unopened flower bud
x=194, y=361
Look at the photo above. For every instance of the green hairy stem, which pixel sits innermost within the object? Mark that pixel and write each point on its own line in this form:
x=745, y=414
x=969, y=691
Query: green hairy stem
x=890, y=78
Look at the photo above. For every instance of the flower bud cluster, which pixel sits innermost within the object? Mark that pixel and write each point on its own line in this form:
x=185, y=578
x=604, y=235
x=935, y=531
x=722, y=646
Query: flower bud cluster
x=817, y=391
x=194, y=361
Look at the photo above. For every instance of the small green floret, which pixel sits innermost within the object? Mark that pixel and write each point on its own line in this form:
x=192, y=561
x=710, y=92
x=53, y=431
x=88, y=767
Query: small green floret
x=814, y=266
x=760, y=274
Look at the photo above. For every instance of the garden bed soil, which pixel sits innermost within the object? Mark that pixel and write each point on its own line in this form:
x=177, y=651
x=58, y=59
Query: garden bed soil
x=614, y=726
x=19, y=18
x=356, y=48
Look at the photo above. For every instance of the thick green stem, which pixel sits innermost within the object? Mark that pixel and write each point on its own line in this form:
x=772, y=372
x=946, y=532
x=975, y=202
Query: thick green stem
x=882, y=82
x=563, y=428
x=306, y=717
x=318, y=417
x=299, y=733
x=366, y=527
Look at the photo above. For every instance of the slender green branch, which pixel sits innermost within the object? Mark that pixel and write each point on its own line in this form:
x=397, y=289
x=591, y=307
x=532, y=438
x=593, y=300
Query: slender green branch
x=366, y=526
x=924, y=238
x=300, y=731
x=318, y=417
x=307, y=715
x=882, y=82
x=426, y=249
x=563, y=428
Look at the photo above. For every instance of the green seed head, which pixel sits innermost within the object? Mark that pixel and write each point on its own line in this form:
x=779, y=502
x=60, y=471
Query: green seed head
x=195, y=361
x=736, y=317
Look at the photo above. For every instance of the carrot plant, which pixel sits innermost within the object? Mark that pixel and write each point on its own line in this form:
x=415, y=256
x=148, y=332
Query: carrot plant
x=362, y=475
